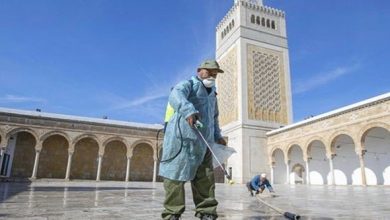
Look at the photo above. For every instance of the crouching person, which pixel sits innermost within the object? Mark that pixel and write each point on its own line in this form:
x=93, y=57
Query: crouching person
x=258, y=184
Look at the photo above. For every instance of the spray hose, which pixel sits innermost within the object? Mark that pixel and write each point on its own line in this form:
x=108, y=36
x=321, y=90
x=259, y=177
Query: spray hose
x=198, y=125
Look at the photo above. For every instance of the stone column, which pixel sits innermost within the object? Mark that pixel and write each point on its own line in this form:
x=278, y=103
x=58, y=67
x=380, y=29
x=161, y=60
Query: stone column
x=2, y=151
x=68, y=166
x=155, y=170
x=330, y=157
x=100, y=157
x=362, y=167
x=307, y=171
x=36, y=163
x=128, y=169
x=287, y=171
x=272, y=174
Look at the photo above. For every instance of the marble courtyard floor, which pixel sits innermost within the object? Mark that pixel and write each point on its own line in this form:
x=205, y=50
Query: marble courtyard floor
x=51, y=199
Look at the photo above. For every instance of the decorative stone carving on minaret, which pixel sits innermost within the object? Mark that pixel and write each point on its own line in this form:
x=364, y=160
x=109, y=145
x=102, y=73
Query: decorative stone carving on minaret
x=266, y=87
x=227, y=89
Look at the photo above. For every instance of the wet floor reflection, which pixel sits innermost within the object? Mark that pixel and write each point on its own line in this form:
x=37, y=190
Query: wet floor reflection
x=135, y=200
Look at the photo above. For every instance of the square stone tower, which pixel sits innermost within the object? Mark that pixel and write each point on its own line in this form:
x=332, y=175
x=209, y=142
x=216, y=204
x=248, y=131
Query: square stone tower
x=254, y=93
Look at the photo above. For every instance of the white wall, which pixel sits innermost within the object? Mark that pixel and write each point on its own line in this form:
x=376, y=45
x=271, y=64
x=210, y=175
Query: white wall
x=318, y=164
x=280, y=168
x=296, y=157
x=346, y=162
x=377, y=157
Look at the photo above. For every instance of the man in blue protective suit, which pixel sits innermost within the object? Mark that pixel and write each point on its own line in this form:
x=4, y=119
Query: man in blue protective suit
x=185, y=157
x=258, y=184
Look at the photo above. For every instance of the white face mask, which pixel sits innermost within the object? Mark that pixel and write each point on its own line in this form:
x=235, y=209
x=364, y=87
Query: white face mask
x=209, y=82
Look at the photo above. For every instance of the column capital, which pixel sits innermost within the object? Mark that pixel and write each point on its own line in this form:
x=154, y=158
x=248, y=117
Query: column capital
x=361, y=153
x=38, y=147
x=331, y=156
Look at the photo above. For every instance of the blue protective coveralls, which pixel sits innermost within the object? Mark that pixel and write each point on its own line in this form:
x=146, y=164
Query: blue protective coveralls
x=185, y=156
x=187, y=101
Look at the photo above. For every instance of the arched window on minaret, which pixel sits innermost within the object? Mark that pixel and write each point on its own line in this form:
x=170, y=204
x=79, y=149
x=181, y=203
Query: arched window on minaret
x=263, y=22
x=253, y=19
x=273, y=25
x=258, y=20
x=268, y=23
x=230, y=26
x=233, y=22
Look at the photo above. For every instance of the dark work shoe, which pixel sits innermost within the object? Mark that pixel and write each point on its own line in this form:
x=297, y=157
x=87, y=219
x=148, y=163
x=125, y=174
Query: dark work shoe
x=208, y=217
x=175, y=217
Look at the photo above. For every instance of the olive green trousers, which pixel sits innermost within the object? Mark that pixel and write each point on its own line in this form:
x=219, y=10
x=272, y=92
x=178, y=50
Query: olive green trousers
x=203, y=187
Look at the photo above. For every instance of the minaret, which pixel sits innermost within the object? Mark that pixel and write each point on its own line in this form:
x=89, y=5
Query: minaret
x=254, y=93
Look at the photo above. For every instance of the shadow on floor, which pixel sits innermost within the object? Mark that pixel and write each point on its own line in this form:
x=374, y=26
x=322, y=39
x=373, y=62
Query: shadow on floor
x=82, y=189
x=9, y=189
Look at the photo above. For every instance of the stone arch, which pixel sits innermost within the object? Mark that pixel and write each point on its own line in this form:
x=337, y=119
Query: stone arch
x=23, y=129
x=375, y=141
x=295, y=157
x=317, y=160
x=278, y=164
x=55, y=132
x=345, y=160
x=334, y=136
x=142, y=161
x=54, y=155
x=114, y=159
x=115, y=138
x=289, y=147
x=365, y=129
x=21, y=151
x=272, y=153
x=85, y=157
x=86, y=135
x=268, y=23
x=144, y=141
x=306, y=147
x=263, y=22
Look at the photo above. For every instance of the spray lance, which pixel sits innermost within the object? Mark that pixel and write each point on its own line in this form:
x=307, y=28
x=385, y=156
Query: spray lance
x=198, y=125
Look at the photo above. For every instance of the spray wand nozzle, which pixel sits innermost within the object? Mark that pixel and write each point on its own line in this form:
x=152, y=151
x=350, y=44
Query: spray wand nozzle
x=198, y=124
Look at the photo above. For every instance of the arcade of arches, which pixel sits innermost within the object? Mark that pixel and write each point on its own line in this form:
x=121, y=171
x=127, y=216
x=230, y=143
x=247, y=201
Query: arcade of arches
x=349, y=146
x=65, y=148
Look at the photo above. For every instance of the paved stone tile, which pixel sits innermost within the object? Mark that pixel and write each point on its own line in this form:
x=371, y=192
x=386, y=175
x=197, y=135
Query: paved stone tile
x=141, y=200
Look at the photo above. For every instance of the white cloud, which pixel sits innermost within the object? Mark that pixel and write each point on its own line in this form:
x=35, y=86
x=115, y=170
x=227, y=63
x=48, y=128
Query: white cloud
x=322, y=79
x=19, y=99
x=138, y=101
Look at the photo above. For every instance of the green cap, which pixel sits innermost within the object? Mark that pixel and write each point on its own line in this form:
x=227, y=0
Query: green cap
x=211, y=65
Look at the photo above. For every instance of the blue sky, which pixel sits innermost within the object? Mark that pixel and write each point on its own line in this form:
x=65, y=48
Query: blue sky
x=119, y=58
